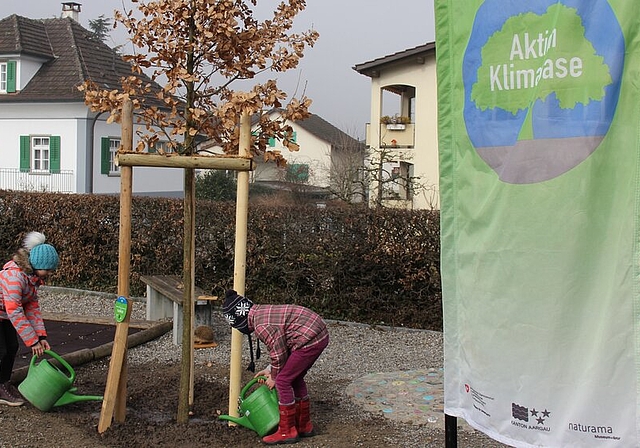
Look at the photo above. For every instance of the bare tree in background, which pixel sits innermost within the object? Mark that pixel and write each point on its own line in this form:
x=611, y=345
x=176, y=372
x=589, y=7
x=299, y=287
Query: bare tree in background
x=348, y=182
x=366, y=176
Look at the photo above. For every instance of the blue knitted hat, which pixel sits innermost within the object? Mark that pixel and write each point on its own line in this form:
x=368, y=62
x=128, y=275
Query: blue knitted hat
x=41, y=255
x=44, y=256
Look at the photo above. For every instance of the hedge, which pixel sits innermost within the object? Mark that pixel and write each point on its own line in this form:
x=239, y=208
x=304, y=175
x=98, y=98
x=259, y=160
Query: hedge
x=348, y=263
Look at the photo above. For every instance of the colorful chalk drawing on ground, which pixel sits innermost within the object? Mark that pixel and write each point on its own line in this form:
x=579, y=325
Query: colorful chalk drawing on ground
x=411, y=396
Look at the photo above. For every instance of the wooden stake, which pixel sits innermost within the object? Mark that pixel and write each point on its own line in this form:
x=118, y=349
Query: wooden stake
x=188, y=274
x=240, y=264
x=115, y=394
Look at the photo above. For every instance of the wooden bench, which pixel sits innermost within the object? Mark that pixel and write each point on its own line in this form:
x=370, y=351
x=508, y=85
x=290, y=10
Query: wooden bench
x=164, y=300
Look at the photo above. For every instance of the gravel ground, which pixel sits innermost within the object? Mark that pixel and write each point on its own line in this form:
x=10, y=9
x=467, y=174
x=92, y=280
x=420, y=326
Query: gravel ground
x=361, y=349
x=355, y=350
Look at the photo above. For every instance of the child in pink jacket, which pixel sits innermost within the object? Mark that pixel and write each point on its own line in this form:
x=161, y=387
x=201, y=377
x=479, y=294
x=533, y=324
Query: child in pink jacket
x=19, y=308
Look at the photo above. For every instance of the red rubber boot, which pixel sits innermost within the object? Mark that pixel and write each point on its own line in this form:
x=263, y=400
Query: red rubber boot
x=286, y=432
x=303, y=418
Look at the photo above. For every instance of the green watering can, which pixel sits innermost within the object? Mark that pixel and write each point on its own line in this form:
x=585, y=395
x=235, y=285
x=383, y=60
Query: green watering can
x=259, y=411
x=47, y=386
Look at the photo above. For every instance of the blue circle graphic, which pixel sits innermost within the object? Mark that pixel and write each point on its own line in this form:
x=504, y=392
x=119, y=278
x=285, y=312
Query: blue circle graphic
x=562, y=137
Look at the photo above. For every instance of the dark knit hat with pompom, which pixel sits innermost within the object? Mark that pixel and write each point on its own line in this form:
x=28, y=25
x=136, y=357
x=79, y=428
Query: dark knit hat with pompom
x=236, y=310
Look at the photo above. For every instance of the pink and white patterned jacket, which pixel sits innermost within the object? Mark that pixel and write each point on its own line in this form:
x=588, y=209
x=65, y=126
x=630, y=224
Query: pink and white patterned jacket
x=19, y=302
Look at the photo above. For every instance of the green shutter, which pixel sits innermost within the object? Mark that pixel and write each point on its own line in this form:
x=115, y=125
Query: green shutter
x=25, y=153
x=11, y=76
x=272, y=142
x=105, y=154
x=54, y=153
x=294, y=136
x=154, y=148
x=297, y=172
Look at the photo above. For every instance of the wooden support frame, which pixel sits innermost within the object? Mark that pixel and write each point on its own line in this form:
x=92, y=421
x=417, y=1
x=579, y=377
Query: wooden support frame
x=235, y=163
x=114, y=402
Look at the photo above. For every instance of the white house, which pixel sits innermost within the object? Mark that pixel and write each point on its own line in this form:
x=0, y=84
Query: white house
x=404, y=123
x=51, y=141
x=317, y=163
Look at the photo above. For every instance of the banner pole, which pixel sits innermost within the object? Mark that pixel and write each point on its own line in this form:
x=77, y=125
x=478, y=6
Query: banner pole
x=450, y=431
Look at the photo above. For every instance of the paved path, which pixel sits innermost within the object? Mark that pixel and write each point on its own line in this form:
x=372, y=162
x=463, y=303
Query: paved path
x=412, y=396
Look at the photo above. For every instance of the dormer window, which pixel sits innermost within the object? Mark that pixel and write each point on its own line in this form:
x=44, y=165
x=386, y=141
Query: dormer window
x=8, y=77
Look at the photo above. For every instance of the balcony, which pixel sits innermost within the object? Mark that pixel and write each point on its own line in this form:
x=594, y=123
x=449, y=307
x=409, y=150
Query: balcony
x=14, y=179
x=393, y=136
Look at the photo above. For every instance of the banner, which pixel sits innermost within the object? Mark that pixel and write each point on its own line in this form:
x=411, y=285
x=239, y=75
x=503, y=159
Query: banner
x=539, y=130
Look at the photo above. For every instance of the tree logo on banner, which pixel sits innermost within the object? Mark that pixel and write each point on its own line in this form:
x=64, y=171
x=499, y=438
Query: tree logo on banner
x=542, y=81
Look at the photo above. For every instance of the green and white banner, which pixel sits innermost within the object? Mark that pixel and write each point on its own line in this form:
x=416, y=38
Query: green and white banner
x=539, y=139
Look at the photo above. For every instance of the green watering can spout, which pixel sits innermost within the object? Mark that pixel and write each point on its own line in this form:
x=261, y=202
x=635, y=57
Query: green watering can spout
x=69, y=397
x=242, y=421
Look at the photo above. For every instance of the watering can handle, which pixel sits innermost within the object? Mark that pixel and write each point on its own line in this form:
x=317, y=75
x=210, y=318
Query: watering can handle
x=248, y=386
x=61, y=360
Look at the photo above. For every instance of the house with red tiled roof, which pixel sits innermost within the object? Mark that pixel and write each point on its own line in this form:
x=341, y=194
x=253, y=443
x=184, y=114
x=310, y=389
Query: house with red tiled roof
x=51, y=141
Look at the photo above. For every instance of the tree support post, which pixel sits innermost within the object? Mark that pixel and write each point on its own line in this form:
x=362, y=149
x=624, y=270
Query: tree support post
x=240, y=263
x=115, y=395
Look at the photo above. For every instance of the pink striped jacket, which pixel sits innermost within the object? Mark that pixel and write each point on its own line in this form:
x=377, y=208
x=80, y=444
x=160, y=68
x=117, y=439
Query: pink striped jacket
x=19, y=302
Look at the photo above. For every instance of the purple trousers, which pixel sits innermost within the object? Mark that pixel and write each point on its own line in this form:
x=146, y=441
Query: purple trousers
x=290, y=382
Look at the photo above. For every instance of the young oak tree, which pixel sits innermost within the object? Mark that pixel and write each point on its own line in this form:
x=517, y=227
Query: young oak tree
x=196, y=50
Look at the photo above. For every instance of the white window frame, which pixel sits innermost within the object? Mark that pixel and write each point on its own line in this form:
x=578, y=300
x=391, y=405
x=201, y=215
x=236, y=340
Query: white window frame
x=114, y=145
x=164, y=145
x=3, y=77
x=40, y=153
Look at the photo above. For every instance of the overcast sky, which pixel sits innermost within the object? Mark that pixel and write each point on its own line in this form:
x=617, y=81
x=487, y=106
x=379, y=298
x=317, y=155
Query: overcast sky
x=351, y=32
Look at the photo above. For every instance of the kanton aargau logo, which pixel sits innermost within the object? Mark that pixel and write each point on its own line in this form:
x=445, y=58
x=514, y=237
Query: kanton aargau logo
x=541, y=84
x=533, y=419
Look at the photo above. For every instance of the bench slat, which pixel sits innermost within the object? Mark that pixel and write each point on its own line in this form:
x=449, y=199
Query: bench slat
x=167, y=285
x=164, y=299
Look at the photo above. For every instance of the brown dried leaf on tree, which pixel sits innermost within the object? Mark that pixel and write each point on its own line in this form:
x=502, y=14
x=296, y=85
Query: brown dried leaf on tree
x=197, y=49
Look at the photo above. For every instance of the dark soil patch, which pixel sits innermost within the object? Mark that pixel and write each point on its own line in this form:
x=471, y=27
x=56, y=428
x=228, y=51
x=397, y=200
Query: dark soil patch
x=152, y=402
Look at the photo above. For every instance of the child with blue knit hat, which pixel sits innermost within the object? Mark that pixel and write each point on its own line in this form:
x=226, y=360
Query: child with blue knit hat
x=20, y=314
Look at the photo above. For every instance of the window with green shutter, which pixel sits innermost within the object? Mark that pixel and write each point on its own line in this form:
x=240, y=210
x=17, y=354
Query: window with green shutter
x=54, y=153
x=292, y=137
x=11, y=76
x=108, y=149
x=40, y=153
x=297, y=172
x=25, y=153
x=105, y=154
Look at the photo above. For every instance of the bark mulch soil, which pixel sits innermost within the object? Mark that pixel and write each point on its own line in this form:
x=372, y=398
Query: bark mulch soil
x=152, y=401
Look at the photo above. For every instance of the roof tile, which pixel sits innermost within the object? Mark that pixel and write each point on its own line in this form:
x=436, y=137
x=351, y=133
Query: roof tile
x=73, y=56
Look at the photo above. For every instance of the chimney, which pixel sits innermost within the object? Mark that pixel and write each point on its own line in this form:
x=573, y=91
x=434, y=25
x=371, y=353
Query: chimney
x=71, y=9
